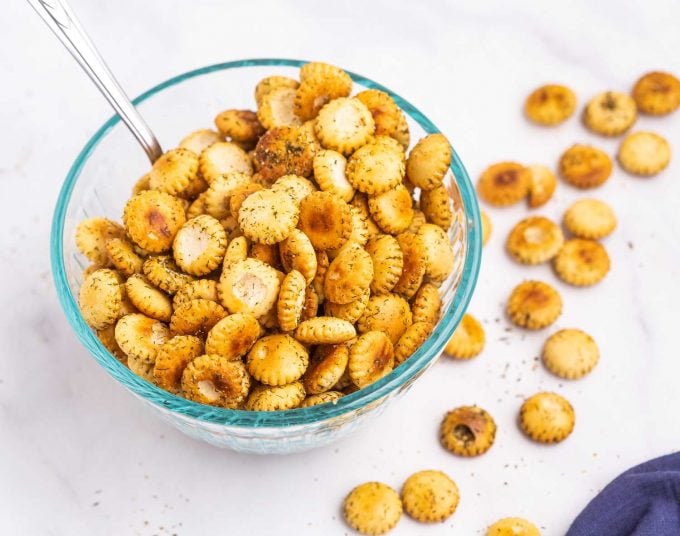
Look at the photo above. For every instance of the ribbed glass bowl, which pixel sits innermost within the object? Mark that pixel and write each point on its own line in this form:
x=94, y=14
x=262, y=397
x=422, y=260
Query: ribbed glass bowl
x=99, y=183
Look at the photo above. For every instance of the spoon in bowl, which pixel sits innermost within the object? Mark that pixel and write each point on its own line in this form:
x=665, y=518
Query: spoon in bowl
x=60, y=18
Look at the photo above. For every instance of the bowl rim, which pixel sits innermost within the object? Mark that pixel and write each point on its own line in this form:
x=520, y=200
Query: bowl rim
x=362, y=398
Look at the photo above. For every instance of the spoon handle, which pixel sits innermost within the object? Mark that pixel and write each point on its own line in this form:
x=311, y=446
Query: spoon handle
x=58, y=15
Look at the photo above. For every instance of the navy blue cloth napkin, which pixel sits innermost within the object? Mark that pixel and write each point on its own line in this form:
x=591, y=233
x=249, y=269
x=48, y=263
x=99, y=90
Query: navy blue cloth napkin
x=643, y=501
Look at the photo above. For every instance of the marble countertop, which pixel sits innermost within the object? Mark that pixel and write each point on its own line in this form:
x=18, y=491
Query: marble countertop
x=79, y=455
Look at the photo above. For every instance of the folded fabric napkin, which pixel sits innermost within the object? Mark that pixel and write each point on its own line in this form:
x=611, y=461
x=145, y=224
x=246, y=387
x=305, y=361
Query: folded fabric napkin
x=643, y=501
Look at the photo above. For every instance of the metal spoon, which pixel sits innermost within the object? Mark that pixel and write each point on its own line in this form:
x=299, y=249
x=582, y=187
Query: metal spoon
x=58, y=15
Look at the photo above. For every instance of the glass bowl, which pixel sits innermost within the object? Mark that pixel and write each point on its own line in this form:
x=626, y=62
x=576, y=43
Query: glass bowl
x=99, y=183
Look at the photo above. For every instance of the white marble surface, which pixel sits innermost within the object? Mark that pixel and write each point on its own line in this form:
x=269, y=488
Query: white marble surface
x=78, y=455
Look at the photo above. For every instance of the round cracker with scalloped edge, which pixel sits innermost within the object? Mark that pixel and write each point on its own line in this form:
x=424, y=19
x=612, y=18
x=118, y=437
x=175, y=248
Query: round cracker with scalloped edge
x=325, y=219
x=92, y=235
x=268, y=216
x=349, y=275
x=152, y=219
x=100, y=298
x=172, y=358
x=216, y=381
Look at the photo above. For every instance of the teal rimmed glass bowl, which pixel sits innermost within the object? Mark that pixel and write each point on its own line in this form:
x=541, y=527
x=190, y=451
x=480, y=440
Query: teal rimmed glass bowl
x=99, y=183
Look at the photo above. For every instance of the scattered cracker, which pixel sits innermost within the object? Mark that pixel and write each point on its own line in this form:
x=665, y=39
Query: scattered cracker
x=542, y=184
x=100, y=298
x=657, y=93
x=534, y=305
x=550, y=104
x=644, y=153
x=370, y=358
x=513, y=526
x=534, y=240
x=584, y=166
x=504, y=183
x=429, y=161
x=276, y=398
x=171, y=360
x=233, y=336
x=582, y=262
x=467, y=340
x=372, y=508
x=487, y=227
x=429, y=496
x=326, y=367
x=467, y=431
x=547, y=418
x=590, y=218
x=570, y=354
x=610, y=113
x=216, y=380
x=277, y=360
